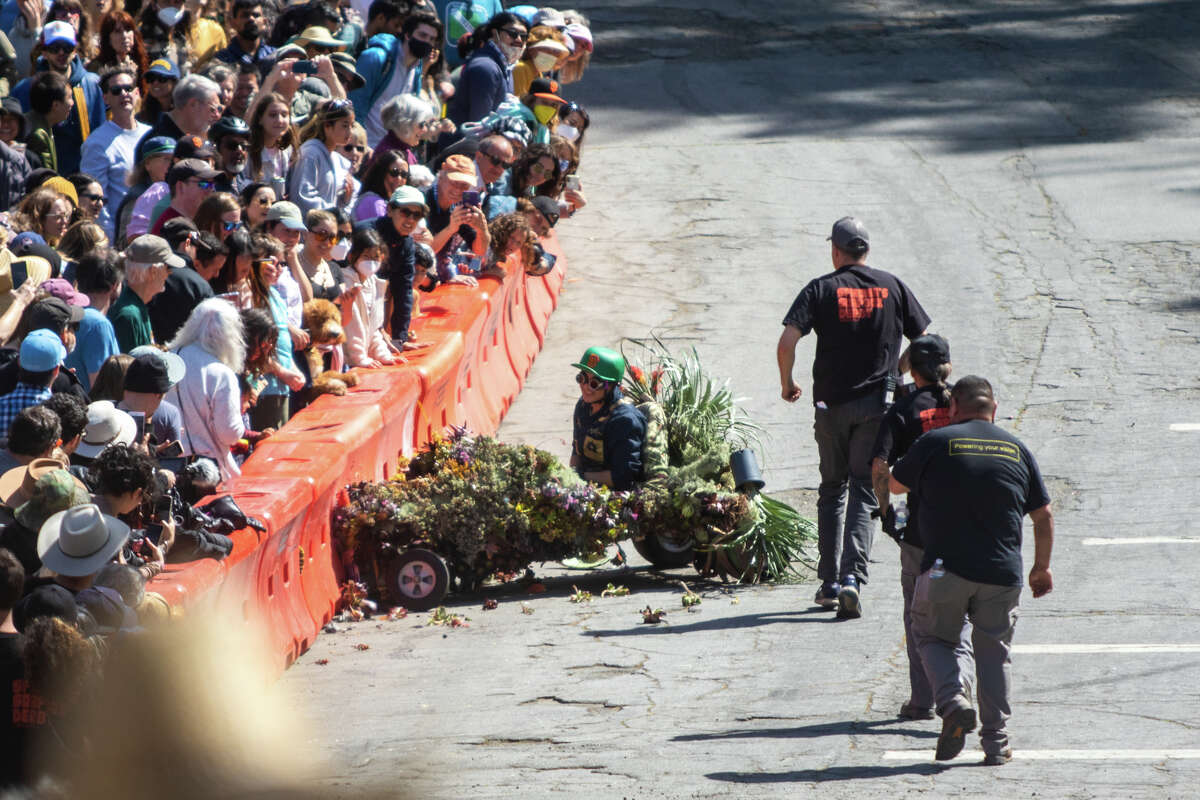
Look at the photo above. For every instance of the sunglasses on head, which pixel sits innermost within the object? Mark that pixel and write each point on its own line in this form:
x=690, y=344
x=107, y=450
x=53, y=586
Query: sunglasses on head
x=591, y=380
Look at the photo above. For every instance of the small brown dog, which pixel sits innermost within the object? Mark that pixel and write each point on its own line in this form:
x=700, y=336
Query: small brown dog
x=323, y=321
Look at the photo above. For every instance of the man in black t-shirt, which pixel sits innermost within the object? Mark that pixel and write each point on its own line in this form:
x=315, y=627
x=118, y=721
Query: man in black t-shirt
x=977, y=482
x=859, y=314
x=20, y=709
x=925, y=408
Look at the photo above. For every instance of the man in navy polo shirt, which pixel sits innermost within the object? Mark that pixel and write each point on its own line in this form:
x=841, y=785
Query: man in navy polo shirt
x=859, y=314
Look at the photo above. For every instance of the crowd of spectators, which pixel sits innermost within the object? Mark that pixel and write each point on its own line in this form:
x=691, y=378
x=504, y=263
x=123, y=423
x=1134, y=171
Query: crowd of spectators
x=179, y=179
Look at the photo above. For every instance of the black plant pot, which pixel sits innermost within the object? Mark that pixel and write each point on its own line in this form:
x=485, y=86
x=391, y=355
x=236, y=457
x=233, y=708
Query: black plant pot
x=747, y=477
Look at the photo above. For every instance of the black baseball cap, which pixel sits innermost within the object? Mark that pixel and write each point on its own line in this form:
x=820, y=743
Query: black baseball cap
x=53, y=315
x=548, y=207
x=850, y=235
x=929, y=350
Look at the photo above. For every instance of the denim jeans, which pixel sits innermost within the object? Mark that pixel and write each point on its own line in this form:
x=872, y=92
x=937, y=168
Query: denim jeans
x=845, y=434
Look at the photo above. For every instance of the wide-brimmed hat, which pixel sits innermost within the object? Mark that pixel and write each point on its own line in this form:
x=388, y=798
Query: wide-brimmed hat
x=346, y=68
x=56, y=490
x=17, y=485
x=80, y=540
x=12, y=107
x=320, y=36
x=107, y=425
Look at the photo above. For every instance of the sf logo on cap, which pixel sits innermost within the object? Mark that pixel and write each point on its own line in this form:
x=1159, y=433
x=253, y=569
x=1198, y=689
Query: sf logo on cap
x=593, y=361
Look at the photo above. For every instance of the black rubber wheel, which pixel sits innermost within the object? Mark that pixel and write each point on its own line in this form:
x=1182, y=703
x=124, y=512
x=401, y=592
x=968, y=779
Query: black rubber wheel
x=665, y=553
x=419, y=579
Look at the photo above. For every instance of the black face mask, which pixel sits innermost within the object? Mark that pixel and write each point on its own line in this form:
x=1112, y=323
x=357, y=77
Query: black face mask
x=418, y=48
x=251, y=30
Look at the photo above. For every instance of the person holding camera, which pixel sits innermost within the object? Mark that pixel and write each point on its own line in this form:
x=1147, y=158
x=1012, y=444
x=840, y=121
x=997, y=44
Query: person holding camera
x=859, y=314
x=457, y=222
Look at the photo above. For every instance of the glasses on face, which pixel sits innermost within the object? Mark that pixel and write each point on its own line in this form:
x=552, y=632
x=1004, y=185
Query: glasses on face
x=515, y=34
x=235, y=144
x=154, y=77
x=591, y=380
x=229, y=226
x=411, y=213
x=262, y=263
x=264, y=201
x=499, y=162
x=396, y=172
x=323, y=236
x=537, y=168
x=95, y=198
x=354, y=148
x=122, y=88
x=60, y=49
x=206, y=186
x=57, y=215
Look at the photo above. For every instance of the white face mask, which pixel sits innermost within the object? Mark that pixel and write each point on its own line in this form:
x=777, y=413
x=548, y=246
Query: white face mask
x=169, y=15
x=340, y=250
x=367, y=267
x=511, y=52
x=568, y=132
x=544, y=62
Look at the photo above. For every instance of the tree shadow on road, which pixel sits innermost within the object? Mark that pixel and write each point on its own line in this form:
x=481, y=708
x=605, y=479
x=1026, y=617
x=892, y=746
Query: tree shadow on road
x=827, y=774
x=850, y=727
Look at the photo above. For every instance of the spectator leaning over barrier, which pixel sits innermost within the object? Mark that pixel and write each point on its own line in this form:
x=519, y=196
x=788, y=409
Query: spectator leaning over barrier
x=147, y=381
x=107, y=426
x=190, y=180
x=285, y=224
x=33, y=434
x=213, y=349
x=99, y=276
x=406, y=209
x=41, y=355
x=55, y=490
x=60, y=319
x=146, y=263
x=273, y=408
x=108, y=154
x=324, y=276
x=541, y=213
x=366, y=344
x=124, y=480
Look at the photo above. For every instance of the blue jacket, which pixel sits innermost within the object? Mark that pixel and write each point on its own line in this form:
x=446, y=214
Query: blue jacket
x=382, y=56
x=68, y=134
x=485, y=81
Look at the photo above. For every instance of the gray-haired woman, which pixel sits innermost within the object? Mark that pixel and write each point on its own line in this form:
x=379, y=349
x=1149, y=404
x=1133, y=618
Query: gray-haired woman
x=406, y=118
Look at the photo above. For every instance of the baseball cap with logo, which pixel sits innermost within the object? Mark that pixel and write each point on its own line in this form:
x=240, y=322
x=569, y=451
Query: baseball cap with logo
x=194, y=147
x=41, y=351
x=150, y=249
x=288, y=214
x=164, y=67
x=58, y=32
x=850, y=235
x=157, y=146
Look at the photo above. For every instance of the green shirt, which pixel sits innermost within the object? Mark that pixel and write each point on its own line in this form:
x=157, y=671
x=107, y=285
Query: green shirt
x=131, y=321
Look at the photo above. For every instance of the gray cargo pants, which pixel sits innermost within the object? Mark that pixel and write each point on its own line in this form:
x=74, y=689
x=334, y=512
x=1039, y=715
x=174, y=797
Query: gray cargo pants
x=845, y=434
x=920, y=693
x=938, y=608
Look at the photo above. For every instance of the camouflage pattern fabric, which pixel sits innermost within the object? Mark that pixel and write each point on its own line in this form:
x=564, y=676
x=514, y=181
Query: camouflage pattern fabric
x=654, y=448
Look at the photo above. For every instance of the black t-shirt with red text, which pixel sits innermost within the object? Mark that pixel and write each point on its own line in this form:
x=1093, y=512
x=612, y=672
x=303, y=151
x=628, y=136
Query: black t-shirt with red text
x=977, y=482
x=919, y=412
x=859, y=314
x=22, y=713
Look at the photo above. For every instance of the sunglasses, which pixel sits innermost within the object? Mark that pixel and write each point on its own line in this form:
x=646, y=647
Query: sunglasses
x=266, y=262
x=206, y=186
x=323, y=236
x=95, y=198
x=537, y=168
x=235, y=144
x=355, y=148
x=411, y=213
x=154, y=77
x=338, y=105
x=396, y=172
x=230, y=226
x=514, y=34
x=499, y=162
x=124, y=88
x=591, y=380
x=263, y=201
x=60, y=48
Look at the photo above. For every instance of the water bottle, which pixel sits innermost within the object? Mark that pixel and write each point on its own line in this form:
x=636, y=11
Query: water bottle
x=938, y=570
x=901, y=511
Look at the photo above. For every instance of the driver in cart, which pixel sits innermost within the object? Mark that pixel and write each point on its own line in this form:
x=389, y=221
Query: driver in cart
x=609, y=430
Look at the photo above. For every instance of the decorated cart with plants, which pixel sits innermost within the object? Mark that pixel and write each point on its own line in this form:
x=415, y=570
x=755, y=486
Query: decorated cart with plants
x=468, y=508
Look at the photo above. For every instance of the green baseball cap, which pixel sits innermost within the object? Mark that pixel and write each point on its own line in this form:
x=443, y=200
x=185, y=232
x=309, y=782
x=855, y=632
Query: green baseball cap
x=604, y=363
x=53, y=492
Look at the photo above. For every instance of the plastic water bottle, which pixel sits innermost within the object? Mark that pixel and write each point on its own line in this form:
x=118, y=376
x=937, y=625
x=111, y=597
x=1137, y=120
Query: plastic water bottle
x=901, y=511
x=938, y=570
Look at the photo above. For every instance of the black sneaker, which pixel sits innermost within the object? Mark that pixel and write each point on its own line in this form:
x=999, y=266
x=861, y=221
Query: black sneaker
x=848, y=602
x=955, y=727
x=998, y=759
x=827, y=595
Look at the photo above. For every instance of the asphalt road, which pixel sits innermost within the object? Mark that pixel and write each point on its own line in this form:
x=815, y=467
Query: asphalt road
x=1029, y=169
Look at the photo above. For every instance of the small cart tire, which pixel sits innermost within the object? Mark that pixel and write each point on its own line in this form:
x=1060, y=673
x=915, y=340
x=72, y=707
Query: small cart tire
x=665, y=553
x=419, y=579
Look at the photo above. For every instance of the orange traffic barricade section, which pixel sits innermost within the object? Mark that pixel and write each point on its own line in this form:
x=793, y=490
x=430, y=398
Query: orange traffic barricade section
x=395, y=391
x=465, y=310
x=437, y=366
x=521, y=338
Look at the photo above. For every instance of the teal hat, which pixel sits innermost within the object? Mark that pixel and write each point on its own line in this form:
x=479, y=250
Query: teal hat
x=407, y=196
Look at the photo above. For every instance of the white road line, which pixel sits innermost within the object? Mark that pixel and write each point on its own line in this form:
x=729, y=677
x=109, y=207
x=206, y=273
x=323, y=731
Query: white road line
x=1185, y=426
x=974, y=757
x=1064, y=649
x=1095, y=541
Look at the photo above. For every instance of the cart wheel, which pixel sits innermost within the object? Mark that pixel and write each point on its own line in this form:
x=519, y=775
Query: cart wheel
x=665, y=553
x=419, y=578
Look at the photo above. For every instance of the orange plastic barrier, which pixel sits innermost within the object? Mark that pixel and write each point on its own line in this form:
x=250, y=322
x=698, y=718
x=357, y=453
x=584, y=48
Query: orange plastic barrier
x=479, y=345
